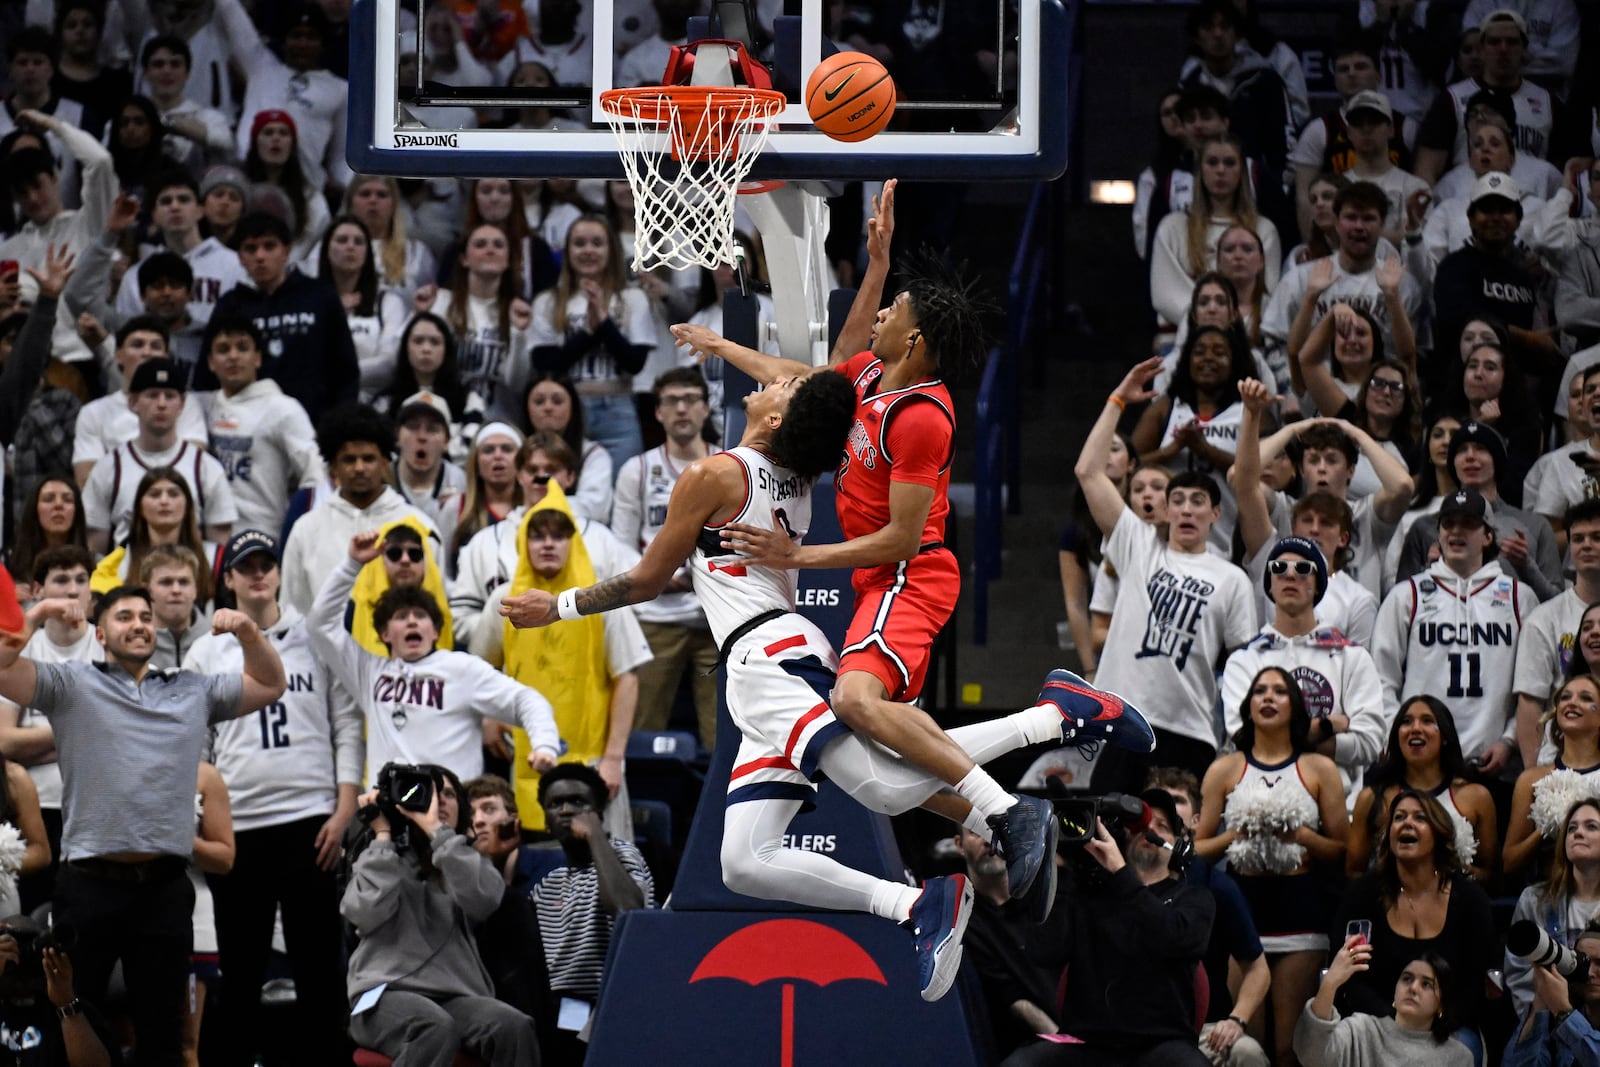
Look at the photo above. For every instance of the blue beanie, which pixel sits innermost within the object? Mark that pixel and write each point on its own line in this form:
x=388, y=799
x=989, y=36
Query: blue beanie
x=1300, y=546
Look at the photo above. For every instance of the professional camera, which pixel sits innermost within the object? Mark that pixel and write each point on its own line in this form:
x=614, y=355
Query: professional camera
x=1123, y=815
x=401, y=787
x=1528, y=940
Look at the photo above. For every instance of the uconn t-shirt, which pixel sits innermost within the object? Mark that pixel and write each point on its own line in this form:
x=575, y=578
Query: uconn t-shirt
x=1176, y=614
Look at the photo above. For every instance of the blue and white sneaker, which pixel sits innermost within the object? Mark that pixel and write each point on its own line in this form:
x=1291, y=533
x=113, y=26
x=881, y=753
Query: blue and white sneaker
x=1026, y=837
x=938, y=920
x=1092, y=717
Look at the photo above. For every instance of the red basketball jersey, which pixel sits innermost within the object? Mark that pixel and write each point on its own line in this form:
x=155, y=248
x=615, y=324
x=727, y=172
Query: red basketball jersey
x=907, y=435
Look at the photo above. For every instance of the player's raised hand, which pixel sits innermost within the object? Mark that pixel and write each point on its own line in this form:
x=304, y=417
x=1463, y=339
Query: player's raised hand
x=697, y=339
x=542, y=759
x=880, y=227
x=530, y=610
x=228, y=621
x=365, y=546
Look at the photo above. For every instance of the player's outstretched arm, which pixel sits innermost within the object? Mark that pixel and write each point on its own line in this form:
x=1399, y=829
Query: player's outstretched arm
x=856, y=334
x=708, y=488
x=760, y=366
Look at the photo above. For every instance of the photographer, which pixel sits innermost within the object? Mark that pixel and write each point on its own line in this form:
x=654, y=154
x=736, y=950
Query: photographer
x=1554, y=1034
x=1133, y=936
x=418, y=989
x=42, y=1021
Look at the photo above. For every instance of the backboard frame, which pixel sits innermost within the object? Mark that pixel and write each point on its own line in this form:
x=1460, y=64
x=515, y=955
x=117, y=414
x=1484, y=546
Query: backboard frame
x=1032, y=147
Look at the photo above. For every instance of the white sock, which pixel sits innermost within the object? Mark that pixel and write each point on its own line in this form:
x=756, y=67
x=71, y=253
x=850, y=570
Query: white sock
x=892, y=901
x=977, y=824
x=984, y=793
x=1040, y=724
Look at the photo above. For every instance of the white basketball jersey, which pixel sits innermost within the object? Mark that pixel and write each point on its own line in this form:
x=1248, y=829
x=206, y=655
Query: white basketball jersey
x=731, y=591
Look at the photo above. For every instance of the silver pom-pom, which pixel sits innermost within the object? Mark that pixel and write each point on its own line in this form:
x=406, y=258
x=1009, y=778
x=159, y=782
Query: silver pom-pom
x=1262, y=818
x=12, y=849
x=1554, y=795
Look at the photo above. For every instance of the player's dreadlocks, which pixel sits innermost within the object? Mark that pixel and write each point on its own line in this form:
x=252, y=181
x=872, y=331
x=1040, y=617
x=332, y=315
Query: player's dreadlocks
x=949, y=309
x=810, y=440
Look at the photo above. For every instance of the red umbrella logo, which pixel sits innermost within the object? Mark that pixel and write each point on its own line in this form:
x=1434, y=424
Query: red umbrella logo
x=788, y=951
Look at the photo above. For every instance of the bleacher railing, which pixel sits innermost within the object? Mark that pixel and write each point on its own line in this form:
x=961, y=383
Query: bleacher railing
x=997, y=477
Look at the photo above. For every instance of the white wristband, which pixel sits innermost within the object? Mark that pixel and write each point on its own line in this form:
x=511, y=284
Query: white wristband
x=567, y=604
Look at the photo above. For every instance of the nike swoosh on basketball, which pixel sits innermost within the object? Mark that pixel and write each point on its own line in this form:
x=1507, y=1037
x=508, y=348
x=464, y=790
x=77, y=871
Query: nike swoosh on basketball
x=829, y=94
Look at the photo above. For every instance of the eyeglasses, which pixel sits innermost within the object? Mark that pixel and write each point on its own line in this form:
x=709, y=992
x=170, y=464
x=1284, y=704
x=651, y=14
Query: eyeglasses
x=409, y=553
x=1304, y=568
x=1386, y=385
x=536, y=478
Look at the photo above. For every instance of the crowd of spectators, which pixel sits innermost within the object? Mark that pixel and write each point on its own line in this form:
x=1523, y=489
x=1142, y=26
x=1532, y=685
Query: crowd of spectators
x=256, y=401
x=1344, y=558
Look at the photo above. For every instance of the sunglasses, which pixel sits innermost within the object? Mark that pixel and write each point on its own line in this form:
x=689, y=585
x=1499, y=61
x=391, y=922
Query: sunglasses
x=1302, y=567
x=409, y=553
x=1387, y=385
x=537, y=479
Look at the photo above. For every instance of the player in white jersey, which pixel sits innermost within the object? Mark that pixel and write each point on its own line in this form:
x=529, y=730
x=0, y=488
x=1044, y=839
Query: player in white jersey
x=1452, y=631
x=422, y=704
x=293, y=771
x=781, y=670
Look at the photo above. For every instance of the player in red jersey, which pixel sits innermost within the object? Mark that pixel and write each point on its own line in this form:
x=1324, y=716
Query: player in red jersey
x=892, y=499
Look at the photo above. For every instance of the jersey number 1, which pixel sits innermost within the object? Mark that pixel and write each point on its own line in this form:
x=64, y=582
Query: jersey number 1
x=1474, y=672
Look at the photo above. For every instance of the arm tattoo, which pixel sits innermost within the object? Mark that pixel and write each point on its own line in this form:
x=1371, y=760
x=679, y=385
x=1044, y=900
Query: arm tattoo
x=603, y=596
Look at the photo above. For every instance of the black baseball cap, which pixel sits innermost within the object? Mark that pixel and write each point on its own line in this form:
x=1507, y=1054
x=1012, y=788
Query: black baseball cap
x=247, y=543
x=156, y=374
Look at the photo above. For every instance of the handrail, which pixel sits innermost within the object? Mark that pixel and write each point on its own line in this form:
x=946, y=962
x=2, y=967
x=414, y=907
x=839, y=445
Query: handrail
x=997, y=477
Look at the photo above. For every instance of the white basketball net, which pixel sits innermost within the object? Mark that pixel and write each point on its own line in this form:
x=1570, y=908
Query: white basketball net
x=684, y=162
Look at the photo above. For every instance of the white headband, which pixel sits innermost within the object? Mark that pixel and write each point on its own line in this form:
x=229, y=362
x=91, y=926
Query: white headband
x=498, y=429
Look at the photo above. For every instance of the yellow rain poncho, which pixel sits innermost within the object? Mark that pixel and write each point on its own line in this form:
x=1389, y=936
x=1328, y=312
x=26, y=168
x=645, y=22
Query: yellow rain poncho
x=565, y=661
x=373, y=582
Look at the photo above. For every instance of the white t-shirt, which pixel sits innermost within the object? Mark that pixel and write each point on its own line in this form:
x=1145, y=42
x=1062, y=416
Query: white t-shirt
x=107, y=421
x=1549, y=635
x=1357, y=290
x=1176, y=614
x=1562, y=483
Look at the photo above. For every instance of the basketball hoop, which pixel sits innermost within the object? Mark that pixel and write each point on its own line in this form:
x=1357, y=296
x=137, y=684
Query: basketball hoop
x=711, y=134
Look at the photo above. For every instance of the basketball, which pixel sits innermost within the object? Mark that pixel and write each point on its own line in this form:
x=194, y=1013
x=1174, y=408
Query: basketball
x=850, y=96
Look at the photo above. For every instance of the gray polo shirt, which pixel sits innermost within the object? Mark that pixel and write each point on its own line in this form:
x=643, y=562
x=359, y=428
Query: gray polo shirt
x=129, y=752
